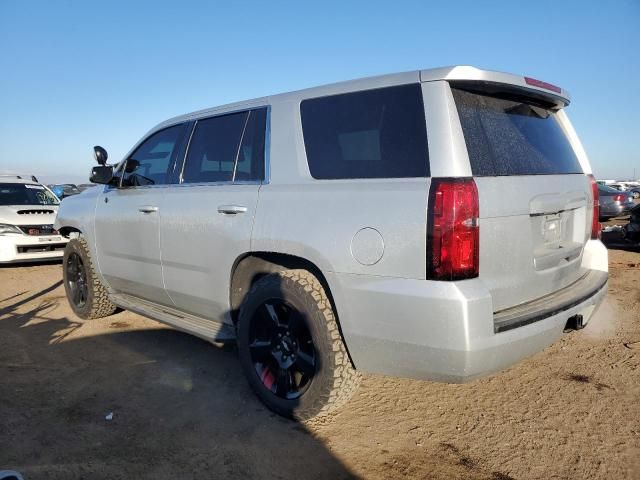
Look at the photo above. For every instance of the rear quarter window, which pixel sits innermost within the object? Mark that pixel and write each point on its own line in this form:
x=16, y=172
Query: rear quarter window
x=511, y=137
x=368, y=134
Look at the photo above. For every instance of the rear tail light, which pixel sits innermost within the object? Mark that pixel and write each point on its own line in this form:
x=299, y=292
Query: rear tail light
x=595, y=221
x=453, y=236
x=540, y=84
x=618, y=198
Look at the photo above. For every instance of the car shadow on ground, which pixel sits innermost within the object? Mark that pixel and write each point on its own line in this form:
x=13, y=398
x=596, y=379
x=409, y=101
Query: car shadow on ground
x=135, y=404
x=16, y=265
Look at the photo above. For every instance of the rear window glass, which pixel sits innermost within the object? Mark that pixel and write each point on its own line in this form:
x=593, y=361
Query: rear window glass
x=509, y=137
x=368, y=134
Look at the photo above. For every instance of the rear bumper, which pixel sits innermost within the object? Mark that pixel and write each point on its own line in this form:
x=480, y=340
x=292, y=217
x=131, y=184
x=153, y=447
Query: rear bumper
x=24, y=248
x=445, y=331
x=557, y=303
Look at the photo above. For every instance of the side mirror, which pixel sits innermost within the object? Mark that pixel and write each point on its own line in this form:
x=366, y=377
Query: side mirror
x=102, y=174
x=100, y=155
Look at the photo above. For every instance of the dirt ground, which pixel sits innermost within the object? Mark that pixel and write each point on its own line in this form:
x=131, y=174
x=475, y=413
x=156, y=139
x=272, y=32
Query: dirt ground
x=181, y=408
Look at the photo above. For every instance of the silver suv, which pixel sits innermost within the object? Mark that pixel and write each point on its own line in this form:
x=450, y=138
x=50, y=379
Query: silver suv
x=437, y=224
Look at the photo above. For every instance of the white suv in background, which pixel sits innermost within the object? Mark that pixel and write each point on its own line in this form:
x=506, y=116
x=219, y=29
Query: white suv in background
x=27, y=212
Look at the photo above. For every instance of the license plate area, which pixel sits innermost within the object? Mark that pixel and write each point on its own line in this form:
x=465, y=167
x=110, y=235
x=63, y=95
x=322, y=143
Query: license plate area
x=49, y=239
x=553, y=240
x=552, y=230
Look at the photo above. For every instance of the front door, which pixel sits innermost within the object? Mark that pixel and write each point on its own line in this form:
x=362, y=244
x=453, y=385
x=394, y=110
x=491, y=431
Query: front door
x=128, y=218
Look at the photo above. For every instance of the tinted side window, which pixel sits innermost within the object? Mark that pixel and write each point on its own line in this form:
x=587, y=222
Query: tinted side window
x=369, y=134
x=510, y=137
x=151, y=161
x=213, y=149
x=227, y=148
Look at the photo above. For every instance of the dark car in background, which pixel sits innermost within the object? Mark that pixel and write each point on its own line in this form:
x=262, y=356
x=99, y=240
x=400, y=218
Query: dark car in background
x=614, y=203
x=83, y=186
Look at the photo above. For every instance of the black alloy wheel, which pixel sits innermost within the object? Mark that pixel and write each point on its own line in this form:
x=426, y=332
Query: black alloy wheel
x=281, y=349
x=77, y=280
x=290, y=346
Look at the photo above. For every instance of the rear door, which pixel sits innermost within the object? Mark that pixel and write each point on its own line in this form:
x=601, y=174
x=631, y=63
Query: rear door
x=535, y=211
x=207, y=219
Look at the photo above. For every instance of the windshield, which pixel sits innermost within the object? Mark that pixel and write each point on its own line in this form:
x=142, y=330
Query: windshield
x=25, y=194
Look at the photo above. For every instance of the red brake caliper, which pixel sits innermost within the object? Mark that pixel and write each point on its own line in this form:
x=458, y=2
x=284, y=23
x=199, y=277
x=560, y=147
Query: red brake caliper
x=267, y=377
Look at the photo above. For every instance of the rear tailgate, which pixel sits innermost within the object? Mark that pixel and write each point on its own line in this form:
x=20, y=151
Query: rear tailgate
x=535, y=201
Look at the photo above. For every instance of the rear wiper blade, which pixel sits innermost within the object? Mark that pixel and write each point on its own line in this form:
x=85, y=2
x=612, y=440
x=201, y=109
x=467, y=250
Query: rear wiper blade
x=528, y=111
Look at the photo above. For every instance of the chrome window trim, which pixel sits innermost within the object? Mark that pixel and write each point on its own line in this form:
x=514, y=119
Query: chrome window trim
x=198, y=184
x=267, y=148
x=140, y=187
x=235, y=162
x=186, y=152
x=217, y=184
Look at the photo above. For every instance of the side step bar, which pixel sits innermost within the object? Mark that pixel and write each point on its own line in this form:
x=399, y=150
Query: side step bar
x=550, y=305
x=198, y=326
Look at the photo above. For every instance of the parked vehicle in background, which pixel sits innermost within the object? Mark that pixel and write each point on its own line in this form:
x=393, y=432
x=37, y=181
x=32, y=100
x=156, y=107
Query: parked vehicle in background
x=63, y=190
x=27, y=212
x=631, y=231
x=621, y=187
x=10, y=475
x=614, y=203
x=632, y=187
x=634, y=190
x=324, y=232
x=83, y=186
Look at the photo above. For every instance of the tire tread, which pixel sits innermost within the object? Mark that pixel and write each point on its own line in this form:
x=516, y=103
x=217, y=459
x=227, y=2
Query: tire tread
x=346, y=378
x=101, y=305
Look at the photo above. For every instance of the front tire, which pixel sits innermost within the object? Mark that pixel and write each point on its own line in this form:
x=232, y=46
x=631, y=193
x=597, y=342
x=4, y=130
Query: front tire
x=86, y=294
x=291, y=349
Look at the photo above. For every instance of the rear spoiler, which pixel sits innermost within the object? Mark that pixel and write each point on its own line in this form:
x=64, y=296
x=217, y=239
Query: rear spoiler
x=487, y=80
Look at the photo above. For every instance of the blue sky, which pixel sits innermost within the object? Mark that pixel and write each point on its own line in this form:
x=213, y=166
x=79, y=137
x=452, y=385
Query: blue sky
x=79, y=73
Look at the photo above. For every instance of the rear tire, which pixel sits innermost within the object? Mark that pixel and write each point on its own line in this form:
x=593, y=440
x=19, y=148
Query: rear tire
x=291, y=349
x=86, y=294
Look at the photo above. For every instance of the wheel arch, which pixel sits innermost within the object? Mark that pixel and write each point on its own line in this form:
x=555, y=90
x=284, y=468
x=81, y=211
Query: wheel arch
x=69, y=231
x=251, y=266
